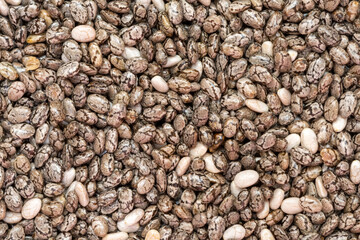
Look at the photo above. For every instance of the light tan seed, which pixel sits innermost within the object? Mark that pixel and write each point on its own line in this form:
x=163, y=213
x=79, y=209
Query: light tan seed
x=31, y=208
x=277, y=198
x=83, y=33
x=234, y=232
x=309, y=140
x=291, y=205
x=82, y=194
x=246, y=178
x=256, y=105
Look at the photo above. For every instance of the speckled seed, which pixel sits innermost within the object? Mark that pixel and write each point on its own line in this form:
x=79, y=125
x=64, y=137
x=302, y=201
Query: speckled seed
x=16, y=91
x=285, y=96
x=277, y=198
x=160, y=84
x=310, y=204
x=246, y=178
x=7, y=70
x=291, y=205
x=82, y=194
x=31, y=63
x=293, y=140
x=22, y=131
x=234, y=232
x=98, y=103
x=198, y=151
x=100, y=226
x=256, y=105
x=309, y=140
x=152, y=235
x=83, y=33
x=31, y=208
x=266, y=234
x=116, y=236
x=339, y=124
x=355, y=171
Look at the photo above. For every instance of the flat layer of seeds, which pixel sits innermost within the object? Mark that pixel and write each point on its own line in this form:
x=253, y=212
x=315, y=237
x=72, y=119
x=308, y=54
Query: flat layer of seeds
x=179, y=119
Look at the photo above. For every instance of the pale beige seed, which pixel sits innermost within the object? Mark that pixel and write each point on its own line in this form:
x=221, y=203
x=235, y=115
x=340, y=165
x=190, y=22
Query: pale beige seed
x=159, y=4
x=339, y=124
x=320, y=188
x=277, y=198
x=12, y=217
x=31, y=208
x=172, y=61
x=256, y=105
x=14, y=2
x=267, y=48
x=145, y=3
x=116, y=236
x=293, y=54
x=160, y=84
x=4, y=8
x=68, y=177
x=246, y=178
x=152, y=235
x=130, y=52
x=83, y=33
x=198, y=151
x=266, y=234
x=209, y=163
x=355, y=171
x=205, y=2
x=126, y=228
x=134, y=216
x=264, y=212
x=234, y=189
x=293, y=140
x=234, y=232
x=183, y=166
x=291, y=205
x=82, y=194
x=309, y=140
x=285, y=96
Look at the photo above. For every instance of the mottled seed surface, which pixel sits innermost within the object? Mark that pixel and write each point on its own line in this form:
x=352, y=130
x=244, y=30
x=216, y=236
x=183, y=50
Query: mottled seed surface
x=179, y=119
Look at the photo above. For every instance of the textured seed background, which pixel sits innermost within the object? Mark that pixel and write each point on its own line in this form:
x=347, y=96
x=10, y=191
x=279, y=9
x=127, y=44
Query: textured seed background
x=179, y=119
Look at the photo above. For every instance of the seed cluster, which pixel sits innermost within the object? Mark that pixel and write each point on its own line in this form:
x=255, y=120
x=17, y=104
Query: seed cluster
x=179, y=119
